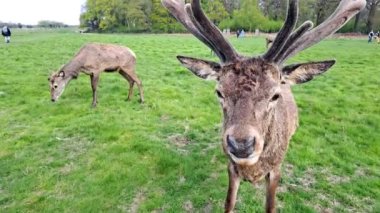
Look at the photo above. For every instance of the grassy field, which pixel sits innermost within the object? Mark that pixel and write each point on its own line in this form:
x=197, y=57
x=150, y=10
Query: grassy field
x=165, y=155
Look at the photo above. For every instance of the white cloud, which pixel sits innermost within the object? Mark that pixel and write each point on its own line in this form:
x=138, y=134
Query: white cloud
x=32, y=11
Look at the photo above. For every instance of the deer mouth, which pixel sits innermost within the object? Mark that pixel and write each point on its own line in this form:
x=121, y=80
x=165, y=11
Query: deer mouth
x=250, y=160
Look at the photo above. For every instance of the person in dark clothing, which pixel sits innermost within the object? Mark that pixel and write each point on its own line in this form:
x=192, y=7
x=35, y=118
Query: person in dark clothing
x=237, y=33
x=370, y=36
x=6, y=32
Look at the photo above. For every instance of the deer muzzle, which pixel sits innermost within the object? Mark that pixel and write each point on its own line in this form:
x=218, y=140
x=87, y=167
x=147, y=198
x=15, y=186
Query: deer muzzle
x=243, y=144
x=242, y=148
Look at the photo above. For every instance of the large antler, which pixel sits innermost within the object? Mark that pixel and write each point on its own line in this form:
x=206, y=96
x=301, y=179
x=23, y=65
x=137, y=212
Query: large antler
x=302, y=38
x=192, y=17
x=283, y=35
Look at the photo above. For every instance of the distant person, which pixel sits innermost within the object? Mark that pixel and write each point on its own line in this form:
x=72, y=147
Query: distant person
x=237, y=33
x=370, y=36
x=242, y=33
x=6, y=32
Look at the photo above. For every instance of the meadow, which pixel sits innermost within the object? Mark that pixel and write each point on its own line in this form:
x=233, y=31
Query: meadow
x=165, y=155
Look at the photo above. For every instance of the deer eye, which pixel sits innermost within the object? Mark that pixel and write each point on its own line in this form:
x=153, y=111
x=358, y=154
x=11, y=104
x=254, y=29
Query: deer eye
x=55, y=86
x=275, y=97
x=219, y=94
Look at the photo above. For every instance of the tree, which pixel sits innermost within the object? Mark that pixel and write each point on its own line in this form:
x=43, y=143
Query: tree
x=274, y=9
x=231, y=5
x=117, y=15
x=162, y=21
x=324, y=8
x=372, y=6
x=51, y=24
x=215, y=11
x=249, y=17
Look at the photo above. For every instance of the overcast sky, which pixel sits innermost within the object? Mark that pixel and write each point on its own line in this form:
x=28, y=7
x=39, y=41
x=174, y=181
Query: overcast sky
x=32, y=11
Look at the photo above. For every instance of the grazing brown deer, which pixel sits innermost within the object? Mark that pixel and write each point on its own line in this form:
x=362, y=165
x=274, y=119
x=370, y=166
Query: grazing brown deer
x=260, y=114
x=92, y=59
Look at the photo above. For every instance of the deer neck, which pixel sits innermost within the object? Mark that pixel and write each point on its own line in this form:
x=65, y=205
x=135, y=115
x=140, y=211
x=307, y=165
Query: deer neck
x=73, y=68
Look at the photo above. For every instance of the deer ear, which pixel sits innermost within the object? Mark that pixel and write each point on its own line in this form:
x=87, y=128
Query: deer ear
x=204, y=69
x=61, y=74
x=302, y=73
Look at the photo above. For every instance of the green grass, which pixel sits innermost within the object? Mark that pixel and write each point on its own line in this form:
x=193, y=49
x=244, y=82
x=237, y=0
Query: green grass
x=165, y=155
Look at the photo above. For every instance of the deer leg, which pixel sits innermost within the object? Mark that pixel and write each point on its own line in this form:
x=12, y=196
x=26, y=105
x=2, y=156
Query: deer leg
x=233, y=187
x=272, y=180
x=131, y=83
x=94, y=84
x=130, y=93
x=131, y=74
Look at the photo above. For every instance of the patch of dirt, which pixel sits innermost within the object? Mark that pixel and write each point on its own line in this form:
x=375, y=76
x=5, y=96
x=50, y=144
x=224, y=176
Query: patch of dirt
x=188, y=206
x=214, y=176
x=360, y=172
x=137, y=200
x=179, y=140
x=67, y=169
x=182, y=179
x=307, y=180
x=332, y=203
x=361, y=205
x=260, y=189
x=364, y=205
x=210, y=146
x=74, y=147
x=164, y=117
x=160, y=210
x=288, y=169
x=207, y=208
x=321, y=209
x=334, y=179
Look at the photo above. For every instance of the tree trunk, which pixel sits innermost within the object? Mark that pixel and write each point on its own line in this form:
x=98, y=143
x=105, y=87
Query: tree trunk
x=356, y=25
x=372, y=14
x=320, y=11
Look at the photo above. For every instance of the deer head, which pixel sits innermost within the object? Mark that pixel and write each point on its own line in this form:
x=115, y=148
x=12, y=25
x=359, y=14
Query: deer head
x=252, y=89
x=58, y=82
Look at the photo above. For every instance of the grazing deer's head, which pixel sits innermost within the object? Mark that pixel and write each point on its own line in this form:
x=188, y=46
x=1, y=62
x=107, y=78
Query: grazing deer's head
x=251, y=89
x=58, y=83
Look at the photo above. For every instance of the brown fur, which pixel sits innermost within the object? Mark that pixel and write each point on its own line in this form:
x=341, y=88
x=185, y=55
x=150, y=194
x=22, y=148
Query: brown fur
x=247, y=88
x=92, y=59
x=260, y=114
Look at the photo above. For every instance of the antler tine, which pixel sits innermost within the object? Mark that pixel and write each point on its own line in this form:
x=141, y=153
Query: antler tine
x=213, y=34
x=306, y=26
x=189, y=12
x=345, y=11
x=177, y=9
x=285, y=31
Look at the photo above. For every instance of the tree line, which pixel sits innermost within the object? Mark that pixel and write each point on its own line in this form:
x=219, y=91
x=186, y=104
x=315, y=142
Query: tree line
x=265, y=15
x=43, y=24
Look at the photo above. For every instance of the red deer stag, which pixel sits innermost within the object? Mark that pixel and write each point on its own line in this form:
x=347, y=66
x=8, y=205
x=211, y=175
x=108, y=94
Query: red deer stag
x=260, y=114
x=92, y=59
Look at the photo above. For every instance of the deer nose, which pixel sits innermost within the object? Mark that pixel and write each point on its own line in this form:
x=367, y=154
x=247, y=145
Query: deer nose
x=241, y=148
x=52, y=100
